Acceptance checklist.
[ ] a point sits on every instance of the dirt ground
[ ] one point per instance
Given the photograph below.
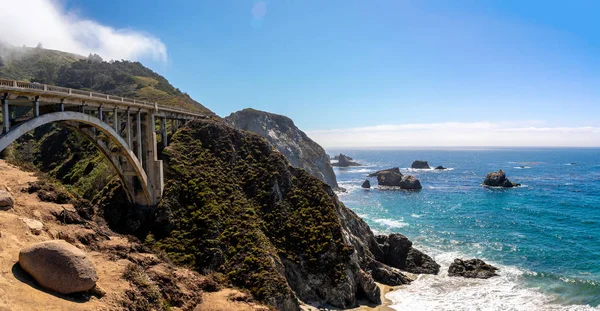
(19, 292)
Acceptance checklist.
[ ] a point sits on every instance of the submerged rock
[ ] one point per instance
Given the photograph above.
(366, 184)
(409, 182)
(420, 164)
(472, 268)
(498, 179)
(59, 266)
(6, 200)
(440, 168)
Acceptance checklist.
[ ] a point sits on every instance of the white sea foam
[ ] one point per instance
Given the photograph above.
(416, 216)
(441, 292)
(391, 223)
(522, 167)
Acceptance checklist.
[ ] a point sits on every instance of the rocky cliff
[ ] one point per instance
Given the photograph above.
(294, 144)
(233, 204)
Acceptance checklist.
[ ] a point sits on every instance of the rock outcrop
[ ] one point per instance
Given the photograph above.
(420, 164)
(345, 161)
(59, 266)
(393, 178)
(390, 177)
(472, 268)
(366, 184)
(409, 182)
(397, 251)
(6, 200)
(498, 179)
(294, 144)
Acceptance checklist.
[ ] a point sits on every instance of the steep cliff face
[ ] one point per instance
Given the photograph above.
(234, 205)
(280, 131)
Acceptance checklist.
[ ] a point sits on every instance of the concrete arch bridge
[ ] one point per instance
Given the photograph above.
(124, 129)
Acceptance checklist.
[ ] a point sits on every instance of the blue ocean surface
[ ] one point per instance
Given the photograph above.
(544, 236)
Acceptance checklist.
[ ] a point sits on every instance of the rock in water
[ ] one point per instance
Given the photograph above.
(399, 253)
(345, 161)
(440, 168)
(389, 178)
(366, 184)
(420, 164)
(6, 200)
(393, 169)
(410, 183)
(59, 266)
(498, 179)
(294, 144)
(472, 268)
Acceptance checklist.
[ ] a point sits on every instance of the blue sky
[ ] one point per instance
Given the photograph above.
(340, 66)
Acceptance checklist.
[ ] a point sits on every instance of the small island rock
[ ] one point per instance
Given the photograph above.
(440, 168)
(498, 179)
(59, 266)
(472, 268)
(391, 177)
(420, 164)
(345, 161)
(6, 200)
(366, 184)
(409, 182)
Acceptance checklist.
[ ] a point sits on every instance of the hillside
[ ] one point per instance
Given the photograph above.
(121, 78)
(288, 139)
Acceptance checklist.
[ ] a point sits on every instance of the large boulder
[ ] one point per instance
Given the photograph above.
(6, 200)
(498, 179)
(345, 161)
(399, 253)
(409, 182)
(390, 177)
(420, 164)
(59, 266)
(366, 184)
(472, 268)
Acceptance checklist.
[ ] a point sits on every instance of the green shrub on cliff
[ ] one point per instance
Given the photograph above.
(233, 204)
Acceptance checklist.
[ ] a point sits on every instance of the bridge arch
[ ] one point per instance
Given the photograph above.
(70, 118)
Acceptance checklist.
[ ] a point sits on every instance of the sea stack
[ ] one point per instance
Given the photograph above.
(420, 164)
(498, 179)
(472, 268)
(366, 184)
(345, 161)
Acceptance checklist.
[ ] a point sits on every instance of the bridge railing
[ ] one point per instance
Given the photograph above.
(68, 91)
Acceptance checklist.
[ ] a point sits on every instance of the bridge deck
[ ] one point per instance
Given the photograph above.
(79, 97)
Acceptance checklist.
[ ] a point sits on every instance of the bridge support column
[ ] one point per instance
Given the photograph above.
(100, 113)
(154, 168)
(36, 108)
(6, 115)
(116, 120)
(128, 128)
(138, 136)
(164, 131)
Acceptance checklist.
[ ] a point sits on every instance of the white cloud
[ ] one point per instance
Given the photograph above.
(464, 134)
(29, 22)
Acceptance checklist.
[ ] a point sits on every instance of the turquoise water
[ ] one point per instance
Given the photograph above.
(545, 235)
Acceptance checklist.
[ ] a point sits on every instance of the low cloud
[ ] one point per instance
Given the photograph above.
(29, 22)
(464, 134)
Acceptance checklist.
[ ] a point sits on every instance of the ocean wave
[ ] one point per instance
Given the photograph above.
(391, 223)
(504, 292)
(416, 170)
(416, 216)
(522, 167)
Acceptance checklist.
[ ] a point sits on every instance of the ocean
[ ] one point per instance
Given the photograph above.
(544, 236)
